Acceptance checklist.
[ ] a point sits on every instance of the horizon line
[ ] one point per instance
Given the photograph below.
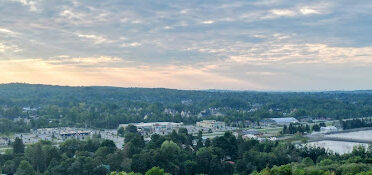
(180, 89)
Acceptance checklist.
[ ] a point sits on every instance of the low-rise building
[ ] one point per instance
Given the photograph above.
(249, 136)
(328, 129)
(161, 128)
(75, 134)
(252, 132)
(211, 124)
(61, 133)
(281, 121)
(4, 141)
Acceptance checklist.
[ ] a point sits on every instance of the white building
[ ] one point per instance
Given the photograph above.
(328, 129)
(75, 134)
(283, 121)
(4, 141)
(249, 136)
(161, 128)
(61, 133)
(211, 124)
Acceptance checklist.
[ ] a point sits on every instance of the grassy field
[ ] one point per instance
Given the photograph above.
(6, 134)
(271, 131)
(4, 149)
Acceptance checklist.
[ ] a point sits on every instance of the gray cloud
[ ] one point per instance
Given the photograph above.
(267, 42)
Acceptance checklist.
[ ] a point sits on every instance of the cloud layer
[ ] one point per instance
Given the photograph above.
(245, 45)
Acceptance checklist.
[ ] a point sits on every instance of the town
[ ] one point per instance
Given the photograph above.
(267, 129)
(127, 131)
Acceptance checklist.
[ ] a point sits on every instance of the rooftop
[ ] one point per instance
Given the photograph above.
(284, 120)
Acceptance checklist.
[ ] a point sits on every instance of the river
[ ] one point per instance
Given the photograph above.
(343, 147)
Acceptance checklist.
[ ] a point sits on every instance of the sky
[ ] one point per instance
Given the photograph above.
(266, 45)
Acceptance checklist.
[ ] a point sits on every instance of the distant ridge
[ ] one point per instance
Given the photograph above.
(202, 90)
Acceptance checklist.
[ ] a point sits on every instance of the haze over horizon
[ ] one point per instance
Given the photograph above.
(270, 45)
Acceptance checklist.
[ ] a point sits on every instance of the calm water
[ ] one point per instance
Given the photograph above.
(344, 147)
(336, 146)
(365, 135)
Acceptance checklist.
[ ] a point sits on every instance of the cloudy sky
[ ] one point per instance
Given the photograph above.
(188, 44)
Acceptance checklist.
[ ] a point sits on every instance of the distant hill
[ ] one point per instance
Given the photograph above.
(108, 106)
(38, 94)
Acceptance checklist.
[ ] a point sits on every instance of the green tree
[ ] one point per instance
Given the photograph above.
(316, 127)
(134, 138)
(25, 168)
(199, 143)
(18, 146)
(121, 132)
(168, 157)
(155, 142)
(191, 167)
(82, 166)
(207, 142)
(131, 129)
(282, 170)
(155, 171)
(9, 167)
(143, 162)
(70, 146)
(204, 157)
(124, 173)
(308, 161)
(36, 156)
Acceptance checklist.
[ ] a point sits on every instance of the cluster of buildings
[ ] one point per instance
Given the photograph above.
(54, 134)
(210, 112)
(254, 134)
(279, 121)
(58, 135)
(61, 133)
(161, 128)
(164, 128)
(4, 141)
(250, 134)
(174, 112)
(211, 124)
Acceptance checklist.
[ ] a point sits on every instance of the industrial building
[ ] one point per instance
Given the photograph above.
(211, 124)
(281, 121)
(161, 128)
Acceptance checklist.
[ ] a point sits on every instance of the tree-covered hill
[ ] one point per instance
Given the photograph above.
(108, 106)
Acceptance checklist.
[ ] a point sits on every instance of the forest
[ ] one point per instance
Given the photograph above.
(106, 107)
(176, 154)
(27, 106)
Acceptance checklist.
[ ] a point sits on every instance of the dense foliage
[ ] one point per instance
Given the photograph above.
(356, 123)
(176, 154)
(358, 162)
(302, 128)
(106, 107)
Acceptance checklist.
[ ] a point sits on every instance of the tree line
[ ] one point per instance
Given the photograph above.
(358, 162)
(301, 128)
(356, 123)
(106, 107)
(178, 153)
